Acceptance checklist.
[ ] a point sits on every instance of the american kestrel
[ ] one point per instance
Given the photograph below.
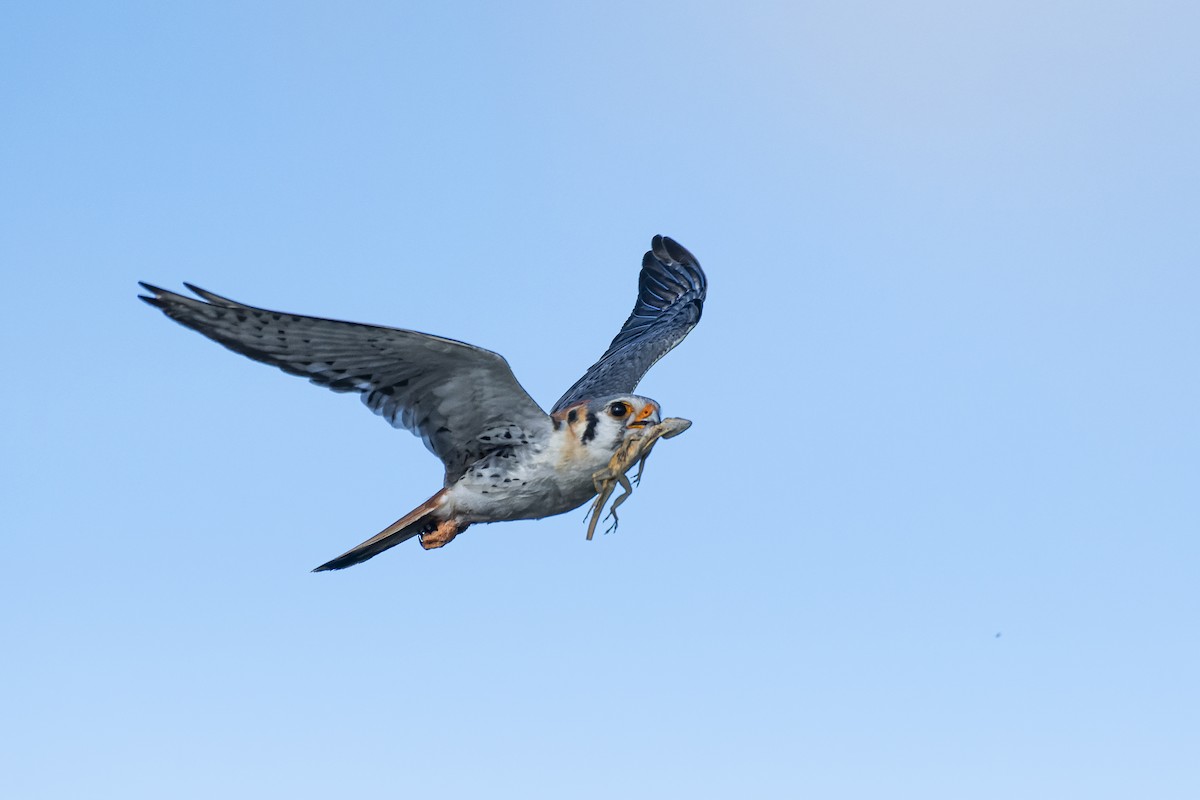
(505, 457)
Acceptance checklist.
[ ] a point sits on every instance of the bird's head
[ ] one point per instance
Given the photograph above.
(608, 421)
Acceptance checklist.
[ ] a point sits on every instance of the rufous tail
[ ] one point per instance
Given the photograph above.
(424, 519)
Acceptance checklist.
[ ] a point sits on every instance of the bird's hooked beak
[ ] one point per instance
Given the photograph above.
(647, 416)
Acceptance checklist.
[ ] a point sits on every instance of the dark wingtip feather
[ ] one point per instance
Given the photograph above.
(671, 251)
(162, 298)
(211, 297)
(668, 257)
(157, 293)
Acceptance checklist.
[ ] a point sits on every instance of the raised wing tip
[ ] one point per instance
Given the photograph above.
(669, 262)
(668, 251)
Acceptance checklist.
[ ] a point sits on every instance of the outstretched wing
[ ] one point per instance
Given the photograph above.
(671, 293)
(460, 399)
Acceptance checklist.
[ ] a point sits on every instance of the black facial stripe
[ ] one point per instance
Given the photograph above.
(589, 432)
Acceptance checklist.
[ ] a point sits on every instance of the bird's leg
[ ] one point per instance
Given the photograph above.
(440, 536)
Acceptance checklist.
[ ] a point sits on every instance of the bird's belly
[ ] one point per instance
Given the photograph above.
(490, 506)
(525, 491)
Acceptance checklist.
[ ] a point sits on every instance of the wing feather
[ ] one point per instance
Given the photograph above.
(671, 292)
(447, 392)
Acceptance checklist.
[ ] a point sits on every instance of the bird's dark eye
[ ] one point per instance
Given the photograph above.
(618, 410)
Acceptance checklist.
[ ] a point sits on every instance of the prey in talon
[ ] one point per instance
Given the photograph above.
(505, 458)
(635, 449)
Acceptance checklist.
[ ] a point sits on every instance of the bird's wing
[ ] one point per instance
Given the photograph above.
(671, 293)
(463, 401)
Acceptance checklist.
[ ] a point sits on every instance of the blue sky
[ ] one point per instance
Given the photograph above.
(932, 535)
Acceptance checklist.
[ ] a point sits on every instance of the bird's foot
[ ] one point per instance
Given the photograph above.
(440, 536)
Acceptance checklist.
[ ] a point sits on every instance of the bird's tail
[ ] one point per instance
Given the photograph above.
(424, 519)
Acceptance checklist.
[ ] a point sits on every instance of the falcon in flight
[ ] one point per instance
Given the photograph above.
(505, 457)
